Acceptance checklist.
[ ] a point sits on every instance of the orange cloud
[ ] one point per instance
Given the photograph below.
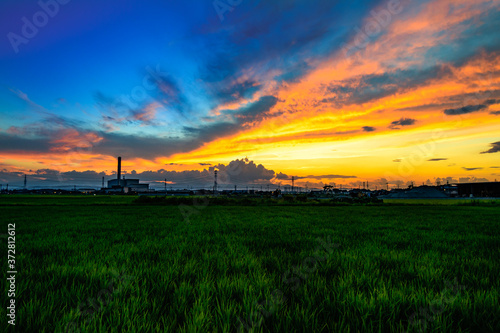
(71, 139)
(305, 122)
(148, 113)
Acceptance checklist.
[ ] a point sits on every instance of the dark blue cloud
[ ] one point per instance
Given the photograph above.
(13, 143)
(475, 38)
(471, 169)
(256, 111)
(495, 148)
(39, 138)
(465, 110)
(327, 177)
(402, 122)
(234, 93)
(294, 72)
(363, 89)
(275, 35)
(282, 176)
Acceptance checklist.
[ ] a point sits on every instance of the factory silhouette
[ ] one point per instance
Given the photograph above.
(133, 186)
(122, 185)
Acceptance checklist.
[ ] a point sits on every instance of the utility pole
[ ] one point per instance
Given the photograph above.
(103, 182)
(25, 181)
(215, 181)
(165, 183)
(293, 181)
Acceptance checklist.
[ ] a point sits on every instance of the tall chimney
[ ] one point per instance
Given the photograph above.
(119, 173)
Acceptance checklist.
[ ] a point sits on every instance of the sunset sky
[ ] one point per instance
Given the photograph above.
(325, 91)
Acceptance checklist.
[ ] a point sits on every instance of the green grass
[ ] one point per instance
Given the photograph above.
(64, 200)
(453, 201)
(203, 275)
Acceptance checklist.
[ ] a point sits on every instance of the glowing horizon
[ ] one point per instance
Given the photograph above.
(393, 92)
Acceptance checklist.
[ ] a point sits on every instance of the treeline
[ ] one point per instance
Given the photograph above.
(287, 200)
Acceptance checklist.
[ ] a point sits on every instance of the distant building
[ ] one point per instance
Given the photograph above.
(119, 185)
(490, 189)
(128, 185)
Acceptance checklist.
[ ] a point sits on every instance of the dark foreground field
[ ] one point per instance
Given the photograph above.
(126, 268)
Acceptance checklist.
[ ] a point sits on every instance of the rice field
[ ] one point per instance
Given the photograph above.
(112, 266)
(450, 201)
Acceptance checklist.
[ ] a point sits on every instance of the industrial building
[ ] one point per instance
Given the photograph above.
(122, 185)
(490, 189)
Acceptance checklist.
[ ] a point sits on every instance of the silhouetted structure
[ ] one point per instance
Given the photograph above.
(124, 185)
(490, 189)
(421, 192)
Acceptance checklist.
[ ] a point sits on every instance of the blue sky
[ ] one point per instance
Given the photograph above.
(96, 48)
